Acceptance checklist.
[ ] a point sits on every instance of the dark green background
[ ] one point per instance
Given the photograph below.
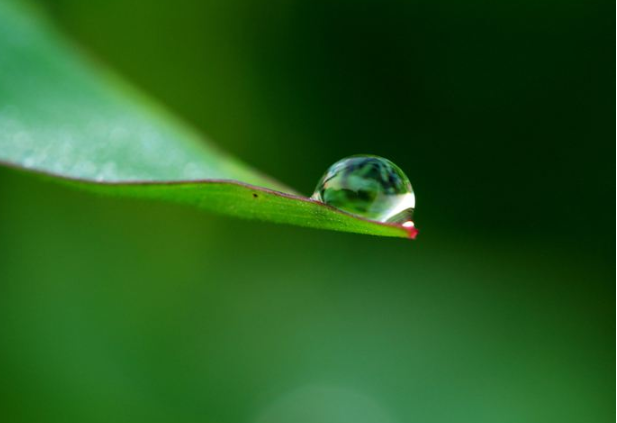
(501, 113)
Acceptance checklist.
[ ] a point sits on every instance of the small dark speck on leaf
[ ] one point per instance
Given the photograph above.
(255, 195)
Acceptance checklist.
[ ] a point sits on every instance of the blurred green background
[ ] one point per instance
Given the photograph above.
(501, 113)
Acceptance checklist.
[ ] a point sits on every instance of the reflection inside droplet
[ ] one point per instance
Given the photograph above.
(368, 186)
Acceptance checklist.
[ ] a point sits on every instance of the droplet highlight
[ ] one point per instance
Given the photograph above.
(371, 187)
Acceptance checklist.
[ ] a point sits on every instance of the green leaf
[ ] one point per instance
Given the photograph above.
(66, 120)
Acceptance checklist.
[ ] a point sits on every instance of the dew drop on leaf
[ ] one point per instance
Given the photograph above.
(368, 186)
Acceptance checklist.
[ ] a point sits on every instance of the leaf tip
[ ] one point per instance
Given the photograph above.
(412, 231)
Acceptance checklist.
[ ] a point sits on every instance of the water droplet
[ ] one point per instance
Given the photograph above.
(368, 186)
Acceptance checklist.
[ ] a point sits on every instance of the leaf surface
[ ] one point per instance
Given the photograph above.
(68, 120)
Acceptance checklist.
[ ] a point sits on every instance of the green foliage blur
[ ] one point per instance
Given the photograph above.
(117, 310)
